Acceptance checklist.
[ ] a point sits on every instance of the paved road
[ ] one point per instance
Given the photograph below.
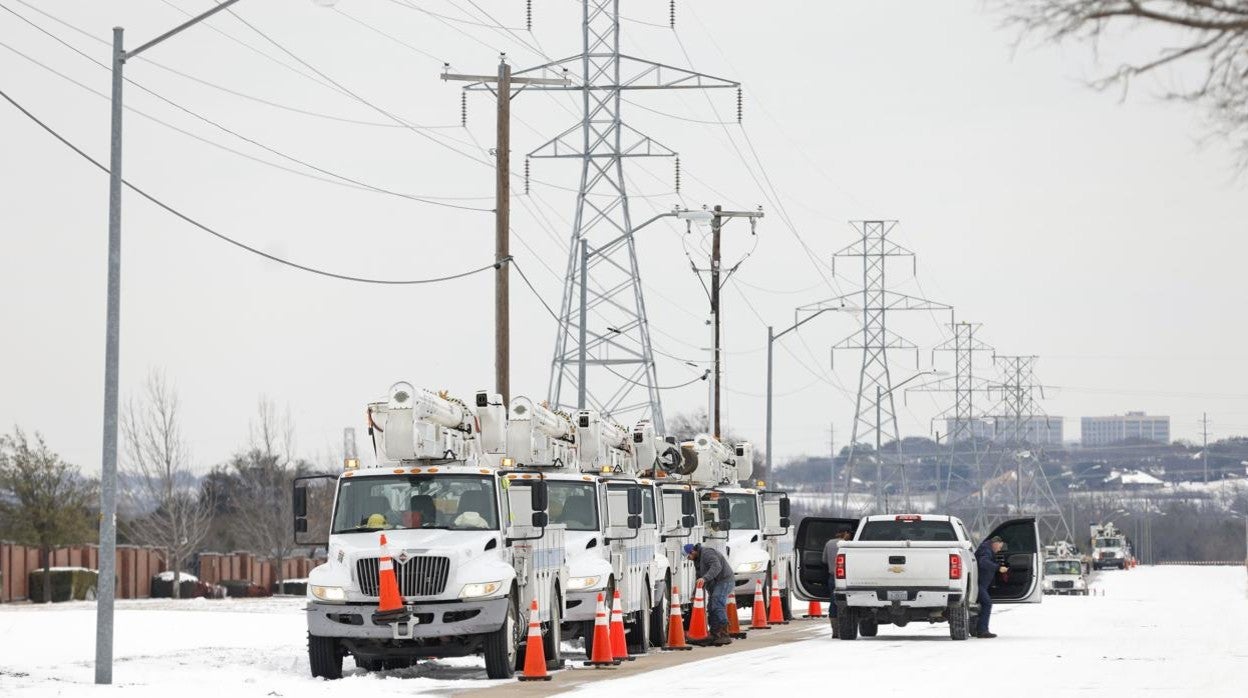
(571, 679)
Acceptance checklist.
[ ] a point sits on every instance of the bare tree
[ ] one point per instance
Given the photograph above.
(1215, 37)
(164, 506)
(44, 501)
(261, 510)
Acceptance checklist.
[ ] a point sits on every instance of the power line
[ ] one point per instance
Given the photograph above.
(334, 275)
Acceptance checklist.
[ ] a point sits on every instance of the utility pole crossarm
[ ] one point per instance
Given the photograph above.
(635, 74)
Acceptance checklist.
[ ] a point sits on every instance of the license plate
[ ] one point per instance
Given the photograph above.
(897, 596)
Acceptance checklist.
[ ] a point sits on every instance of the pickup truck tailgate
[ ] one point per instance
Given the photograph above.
(897, 563)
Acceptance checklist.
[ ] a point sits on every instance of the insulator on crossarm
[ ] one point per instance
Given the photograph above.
(740, 99)
(671, 13)
(526, 174)
(677, 174)
(463, 108)
(528, 15)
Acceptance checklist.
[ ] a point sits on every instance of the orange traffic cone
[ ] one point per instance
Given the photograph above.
(815, 610)
(602, 638)
(619, 644)
(734, 623)
(776, 615)
(535, 651)
(676, 625)
(390, 608)
(698, 630)
(758, 620)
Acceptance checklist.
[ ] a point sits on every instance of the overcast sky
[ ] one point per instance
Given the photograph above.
(1099, 234)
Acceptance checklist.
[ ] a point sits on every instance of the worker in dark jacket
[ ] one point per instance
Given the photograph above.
(717, 581)
(986, 559)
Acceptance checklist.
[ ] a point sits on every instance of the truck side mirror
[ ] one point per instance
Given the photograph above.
(784, 509)
(634, 521)
(723, 508)
(785, 522)
(688, 504)
(688, 521)
(300, 503)
(540, 519)
(301, 525)
(539, 497)
(634, 504)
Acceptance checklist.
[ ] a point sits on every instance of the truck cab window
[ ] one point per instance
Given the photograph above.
(456, 502)
(574, 504)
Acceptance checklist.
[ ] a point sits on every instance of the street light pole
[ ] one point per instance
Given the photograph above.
(106, 587)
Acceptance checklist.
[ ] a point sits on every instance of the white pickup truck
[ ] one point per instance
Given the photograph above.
(910, 567)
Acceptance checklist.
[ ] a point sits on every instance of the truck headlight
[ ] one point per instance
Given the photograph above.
(578, 583)
(748, 567)
(472, 591)
(328, 593)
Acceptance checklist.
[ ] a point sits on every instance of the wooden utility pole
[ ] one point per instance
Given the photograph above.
(502, 82)
(718, 279)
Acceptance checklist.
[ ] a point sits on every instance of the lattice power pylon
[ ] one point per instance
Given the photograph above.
(875, 414)
(1018, 485)
(962, 468)
(613, 344)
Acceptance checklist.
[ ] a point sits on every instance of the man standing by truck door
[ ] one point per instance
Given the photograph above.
(717, 579)
(829, 558)
(986, 559)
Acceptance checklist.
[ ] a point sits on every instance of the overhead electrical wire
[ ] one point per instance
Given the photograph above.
(241, 245)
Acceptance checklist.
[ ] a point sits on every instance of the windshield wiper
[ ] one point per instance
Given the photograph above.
(362, 529)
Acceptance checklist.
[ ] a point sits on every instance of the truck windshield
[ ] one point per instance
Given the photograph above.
(1062, 567)
(907, 529)
(742, 511)
(456, 502)
(574, 504)
(1109, 542)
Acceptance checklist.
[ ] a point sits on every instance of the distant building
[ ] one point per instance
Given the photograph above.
(1101, 431)
(1038, 430)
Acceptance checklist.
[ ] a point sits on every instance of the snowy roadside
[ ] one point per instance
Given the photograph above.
(1141, 637)
(1175, 631)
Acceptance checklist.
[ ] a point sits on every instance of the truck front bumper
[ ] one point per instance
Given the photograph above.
(431, 620)
(909, 597)
(582, 605)
(745, 582)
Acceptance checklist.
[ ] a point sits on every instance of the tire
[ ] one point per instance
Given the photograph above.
(959, 622)
(847, 623)
(553, 639)
(637, 637)
(502, 646)
(868, 627)
(659, 617)
(324, 657)
(369, 664)
(786, 600)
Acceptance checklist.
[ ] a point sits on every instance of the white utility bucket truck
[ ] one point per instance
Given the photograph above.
(750, 526)
(471, 546)
(609, 513)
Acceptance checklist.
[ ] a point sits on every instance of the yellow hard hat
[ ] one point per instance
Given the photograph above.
(376, 521)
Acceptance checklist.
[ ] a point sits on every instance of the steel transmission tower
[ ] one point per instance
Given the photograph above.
(1018, 485)
(607, 362)
(963, 469)
(875, 414)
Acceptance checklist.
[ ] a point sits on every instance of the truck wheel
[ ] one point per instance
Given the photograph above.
(637, 637)
(324, 657)
(502, 646)
(659, 617)
(868, 627)
(847, 623)
(959, 622)
(553, 638)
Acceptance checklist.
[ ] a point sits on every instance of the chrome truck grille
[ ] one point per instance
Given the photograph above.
(422, 575)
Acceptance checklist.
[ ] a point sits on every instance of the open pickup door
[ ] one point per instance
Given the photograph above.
(812, 570)
(1022, 555)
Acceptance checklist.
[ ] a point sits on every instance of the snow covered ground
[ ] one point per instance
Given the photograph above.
(1172, 631)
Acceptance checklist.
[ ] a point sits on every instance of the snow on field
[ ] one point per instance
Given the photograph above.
(1173, 631)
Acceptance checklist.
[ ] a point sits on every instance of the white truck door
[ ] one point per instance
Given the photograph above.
(1022, 555)
(812, 570)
